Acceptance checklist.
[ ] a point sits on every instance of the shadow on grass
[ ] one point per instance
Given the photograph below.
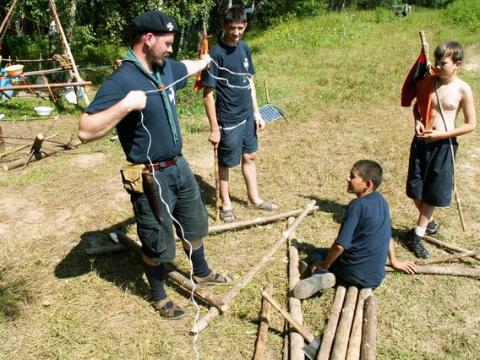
(208, 194)
(120, 268)
(329, 206)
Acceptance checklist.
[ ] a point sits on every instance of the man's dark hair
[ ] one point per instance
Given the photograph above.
(370, 170)
(234, 14)
(449, 48)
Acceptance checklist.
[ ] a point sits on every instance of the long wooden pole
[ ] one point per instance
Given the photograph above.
(217, 183)
(355, 340)
(295, 305)
(442, 270)
(202, 323)
(450, 247)
(340, 344)
(67, 48)
(331, 328)
(252, 222)
(6, 21)
(44, 86)
(369, 329)
(263, 325)
(444, 259)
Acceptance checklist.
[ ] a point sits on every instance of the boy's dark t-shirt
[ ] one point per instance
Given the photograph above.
(365, 236)
(234, 99)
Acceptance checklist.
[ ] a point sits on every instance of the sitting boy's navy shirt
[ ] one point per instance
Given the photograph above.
(365, 236)
(233, 104)
(132, 135)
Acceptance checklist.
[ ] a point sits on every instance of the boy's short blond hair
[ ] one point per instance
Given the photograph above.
(449, 49)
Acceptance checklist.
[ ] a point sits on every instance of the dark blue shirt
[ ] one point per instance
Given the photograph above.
(133, 137)
(365, 236)
(232, 104)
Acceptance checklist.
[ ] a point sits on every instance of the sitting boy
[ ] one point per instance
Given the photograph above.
(431, 165)
(358, 255)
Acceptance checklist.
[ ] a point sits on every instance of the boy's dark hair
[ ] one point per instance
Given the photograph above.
(449, 48)
(370, 170)
(234, 14)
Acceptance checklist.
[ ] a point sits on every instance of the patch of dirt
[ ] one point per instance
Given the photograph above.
(85, 161)
(472, 57)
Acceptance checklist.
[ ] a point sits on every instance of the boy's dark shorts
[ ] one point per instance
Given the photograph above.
(430, 171)
(237, 138)
(182, 194)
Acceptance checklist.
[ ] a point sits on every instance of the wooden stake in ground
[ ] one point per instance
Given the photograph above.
(442, 270)
(331, 328)
(230, 295)
(450, 247)
(294, 305)
(263, 324)
(340, 344)
(355, 341)
(369, 329)
(217, 183)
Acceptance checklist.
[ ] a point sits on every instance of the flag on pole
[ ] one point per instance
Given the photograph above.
(198, 76)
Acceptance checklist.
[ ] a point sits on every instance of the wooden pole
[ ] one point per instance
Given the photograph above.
(44, 86)
(67, 48)
(307, 335)
(37, 143)
(263, 325)
(217, 183)
(369, 330)
(202, 323)
(355, 341)
(331, 328)
(175, 275)
(38, 156)
(442, 270)
(450, 247)
(340, 344)
(295, 305)
(266, 91)
(253, 222)
(6, 21)
(449, 258)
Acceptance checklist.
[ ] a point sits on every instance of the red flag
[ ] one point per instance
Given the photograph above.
(417, 73)
(198, 76)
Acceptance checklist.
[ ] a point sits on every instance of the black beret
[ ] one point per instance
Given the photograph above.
(155, 22)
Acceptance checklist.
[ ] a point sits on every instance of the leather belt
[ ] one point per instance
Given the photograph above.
(161, 165)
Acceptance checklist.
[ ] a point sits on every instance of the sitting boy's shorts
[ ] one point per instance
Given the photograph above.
(237, 138)
(430, 171)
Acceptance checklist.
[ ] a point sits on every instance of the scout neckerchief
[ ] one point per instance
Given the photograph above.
(157, 81)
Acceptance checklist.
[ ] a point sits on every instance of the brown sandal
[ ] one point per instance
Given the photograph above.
(214, 278)
(168, 309)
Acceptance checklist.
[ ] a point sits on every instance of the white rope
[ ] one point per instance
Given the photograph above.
(190, 251)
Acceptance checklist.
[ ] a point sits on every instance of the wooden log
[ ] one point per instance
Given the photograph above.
(442, 270)
(38, 156)
(331, 328)
(369, 330)
(263, 325)
(246, 278)
(257, 221)
(444, 245)
(44, 86)
(294, 305)
(444, 259)
(174, 275)
(355, 341)
(286, 342)
(340, 344)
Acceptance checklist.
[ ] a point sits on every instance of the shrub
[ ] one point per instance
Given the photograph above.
(465, 13)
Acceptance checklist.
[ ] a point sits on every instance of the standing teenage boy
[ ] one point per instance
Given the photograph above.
(358, 255)
(431, 165)
(234, 116)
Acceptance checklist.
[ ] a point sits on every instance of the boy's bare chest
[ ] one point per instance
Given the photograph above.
(449, 97)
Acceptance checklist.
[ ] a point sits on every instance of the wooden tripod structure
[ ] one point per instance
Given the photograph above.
(65, 46)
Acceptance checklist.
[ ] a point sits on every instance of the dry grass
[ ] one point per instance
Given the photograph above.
(72, 306)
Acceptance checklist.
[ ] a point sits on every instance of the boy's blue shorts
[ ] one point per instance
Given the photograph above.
(237, 138)
(430, 171)
(182, 194)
